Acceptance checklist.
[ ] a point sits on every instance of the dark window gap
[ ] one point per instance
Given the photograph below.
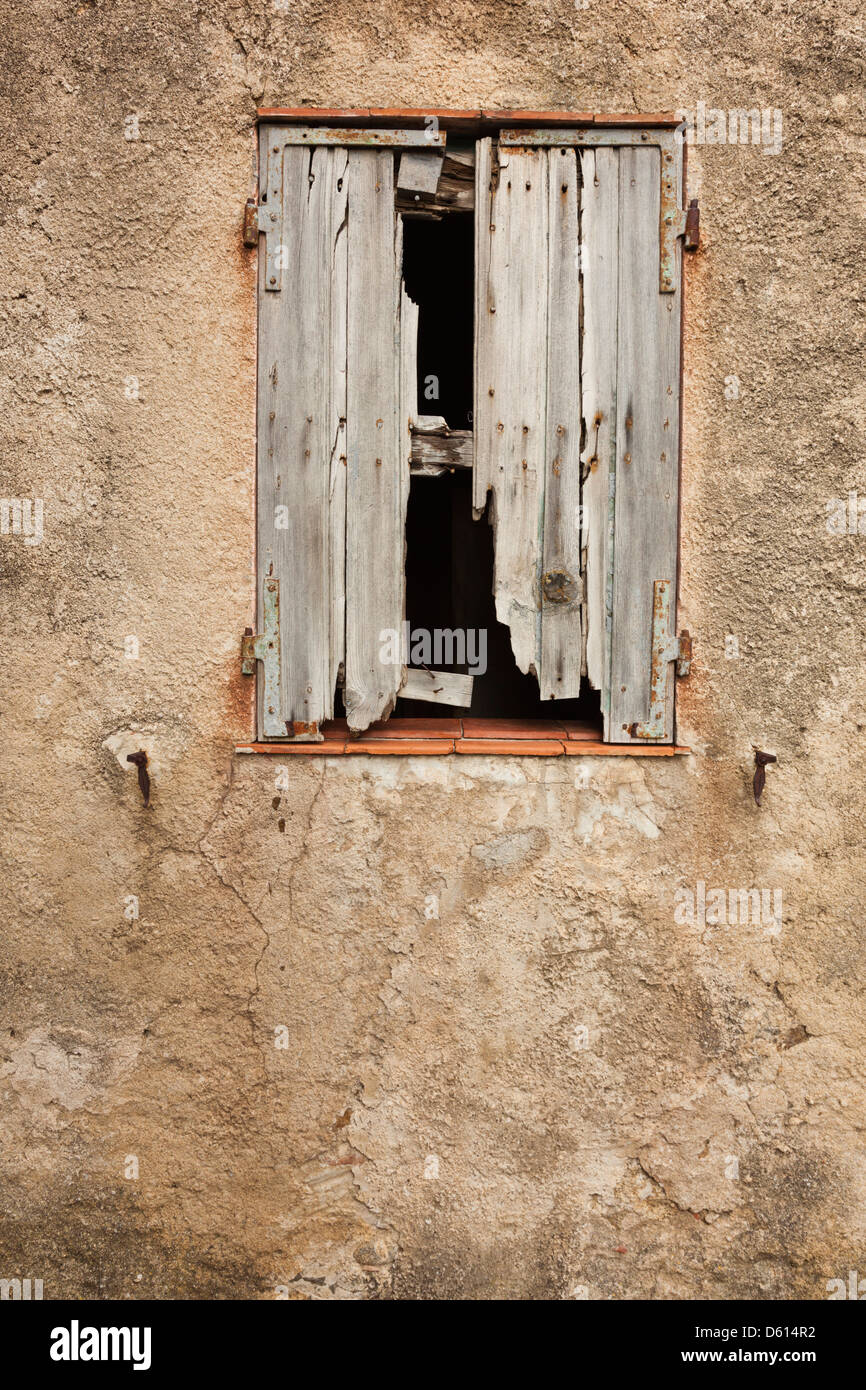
(449, 584)
(438, 259)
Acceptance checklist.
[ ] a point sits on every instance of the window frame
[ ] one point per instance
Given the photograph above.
(465, 734)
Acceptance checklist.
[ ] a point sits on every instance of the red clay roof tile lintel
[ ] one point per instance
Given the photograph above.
(487, 117)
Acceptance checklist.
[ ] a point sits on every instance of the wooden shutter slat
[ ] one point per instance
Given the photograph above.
(600, 261)
(483, 405)
(647, 445)
(526, 422)
(376, 489)
(299, 333)
(511, 372)
(561, 584)
(337, 427)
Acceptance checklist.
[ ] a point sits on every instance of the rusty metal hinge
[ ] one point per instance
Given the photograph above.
(265, 218)
(666, 647)
(692, 227)
(265, 647)
(251, 223)
(684, 655)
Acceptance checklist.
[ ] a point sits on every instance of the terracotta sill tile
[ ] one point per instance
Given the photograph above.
(397, 728)
(516, 747)
(640, 118)
(564, 118)
(418, 113)
(328, 749)
(521, 747)
(399, 746)
(512, 728)
(576, 728)
(312, 114)
(635, 750)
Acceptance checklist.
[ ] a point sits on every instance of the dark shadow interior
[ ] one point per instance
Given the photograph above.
(438, 262)
(449, 584)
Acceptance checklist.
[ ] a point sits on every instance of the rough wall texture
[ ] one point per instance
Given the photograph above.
(552, 1086)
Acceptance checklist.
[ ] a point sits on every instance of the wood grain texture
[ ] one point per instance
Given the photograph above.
(337, 428)
(440, 687)
(647, 443)
(511, 372)
(419, 170)
(377, 453)
(407, 411)
(301, 337)
(483, 404)
(408, 363)
(335, 408)
(353, 137)
(527, 405)
(599, 256)
(454, 191)
(561, 583)
(435, 454)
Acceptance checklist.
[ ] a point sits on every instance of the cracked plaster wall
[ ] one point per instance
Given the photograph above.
(407, 1027)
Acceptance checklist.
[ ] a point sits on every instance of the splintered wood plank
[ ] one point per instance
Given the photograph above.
(407, 411)
(647, 443)
(408, 367)
(439, 687)
(453, 192)
(484, 348)
(457, 180)
(377, 456)
(420, 170)
(337, 432)
(511, 371)
(561, 584)
(435, 454)
(599, 256)
(299, 331)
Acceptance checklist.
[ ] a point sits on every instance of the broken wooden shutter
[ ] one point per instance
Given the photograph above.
(582, 225)
(336, 384)
(526, 418)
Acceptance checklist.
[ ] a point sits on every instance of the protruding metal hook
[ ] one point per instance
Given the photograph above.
(140, 761)
(761, 760)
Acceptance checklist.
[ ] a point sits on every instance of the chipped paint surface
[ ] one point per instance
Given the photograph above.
(290, 983)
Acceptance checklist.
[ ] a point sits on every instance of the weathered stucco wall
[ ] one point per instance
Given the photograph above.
(438, 1124)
